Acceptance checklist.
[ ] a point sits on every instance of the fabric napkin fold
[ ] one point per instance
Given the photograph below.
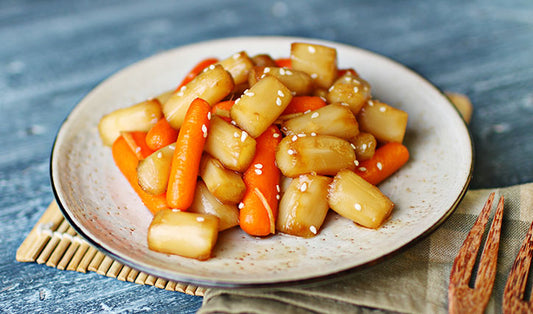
(415, 281)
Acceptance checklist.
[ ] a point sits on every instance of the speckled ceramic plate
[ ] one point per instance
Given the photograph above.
(103, 208)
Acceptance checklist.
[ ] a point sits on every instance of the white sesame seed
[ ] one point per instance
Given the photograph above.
(353, 146)
(379, 165)
(180, 93)
(281, 71)
(357, 206)
(241, 205)
(237, 100)
(244, 135)
(290, 152)
(313, 229)
(211, 67)
(364, 147)
(236, 134)
(311, 49)
(356, 162)
(278, 197)
(275, 135)
(370, 103)
(331, 88)
(258, 171)
(278, 101)
(314, 115)
(172, 147)
(307, 111)
(278, 188)
(258, 166)
(138, 149)
(302, 135)
(159, 155)
(347, 79)
(200, 219)
(288, 72)
(204, 130)
(303, 187)
(266, 70)
(362, 169)
(344, 104)
(383, 109)
(209, 115)
(314, 75)
(263, 76)
(233, 122)
(280, 93)
(356, 89)
(294, 138)
(313, 134)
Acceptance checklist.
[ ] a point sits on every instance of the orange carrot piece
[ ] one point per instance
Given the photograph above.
(223, 108)
(137, 142)
(196, 70)
(303, 103)
(386, 160)
(160, 135)
(283, 62)
(127, 161)
(186, 158)
(259, 207)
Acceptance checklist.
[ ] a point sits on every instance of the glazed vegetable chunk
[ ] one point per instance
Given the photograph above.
(386, 123)
(321, 154)
(239, 66)
(320, 62)
(304, 206)
(226, 185)
(356, 199)
(153, 171)
(351, 90)
(335, 120)
(139, 117)
(233, 147)
(299, 83)
(261, 105)
(206, 203)
(212, 86)
(365, 145)
(183, 233)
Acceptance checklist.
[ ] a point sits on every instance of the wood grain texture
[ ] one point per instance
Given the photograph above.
(54, 52)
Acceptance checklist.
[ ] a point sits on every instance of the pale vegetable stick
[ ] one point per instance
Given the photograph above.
(298, 82)
(206, 203)
(319, 61)
(226, 185)
(239, 66)
(386, 123)
(350, 90)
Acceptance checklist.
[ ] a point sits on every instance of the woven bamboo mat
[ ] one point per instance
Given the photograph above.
(53, 242)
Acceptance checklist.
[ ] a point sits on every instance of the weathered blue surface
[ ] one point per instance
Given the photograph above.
(53, 52)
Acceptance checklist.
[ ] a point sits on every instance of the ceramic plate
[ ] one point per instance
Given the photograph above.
(103, 208)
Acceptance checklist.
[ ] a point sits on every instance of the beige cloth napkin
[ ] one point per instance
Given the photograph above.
(415, 281)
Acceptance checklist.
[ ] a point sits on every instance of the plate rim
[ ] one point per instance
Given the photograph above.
(291, 282)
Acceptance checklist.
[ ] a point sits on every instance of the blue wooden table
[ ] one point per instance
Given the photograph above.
(54, 52)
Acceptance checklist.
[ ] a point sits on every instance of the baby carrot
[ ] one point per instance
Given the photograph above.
(283, 62)
(160, 135)
(259, 207)
(137, 142)
(186, 158)
(127, 161)
(223, 108)
(199, 67)
(386, 160)
(303, 103)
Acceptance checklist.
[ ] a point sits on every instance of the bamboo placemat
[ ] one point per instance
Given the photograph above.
(53, 242)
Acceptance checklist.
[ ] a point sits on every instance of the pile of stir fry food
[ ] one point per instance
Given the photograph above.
(269, 145)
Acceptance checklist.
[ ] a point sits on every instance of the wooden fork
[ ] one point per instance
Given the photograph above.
(461, 297)
(513, 295)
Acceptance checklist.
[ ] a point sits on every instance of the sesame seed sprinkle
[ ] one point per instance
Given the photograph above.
(362, 169)
(288, 72)
(356, 89)
(302, 135)
(379, 165)
(258, 166)
(313, 229)
(209, 115)
(278, 197)
(275, 135)
(159, 155)
(303, 187)
(278, 188)
(266, 70)
(370, 103)
(233, 122)
(258, 171)
(278, 101)
(200, 219)
(383, 109)
(314, 115)
(280, 93)
(356, 162)
(314, 75)
(236, 134)
(282, 71)
(313, 134)
(311, 49)
(211, 67)
(290, 152)
(294, 138)
(241, 205)
(353, 146)
(244, 135)
(358, 206)
(204, 130)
